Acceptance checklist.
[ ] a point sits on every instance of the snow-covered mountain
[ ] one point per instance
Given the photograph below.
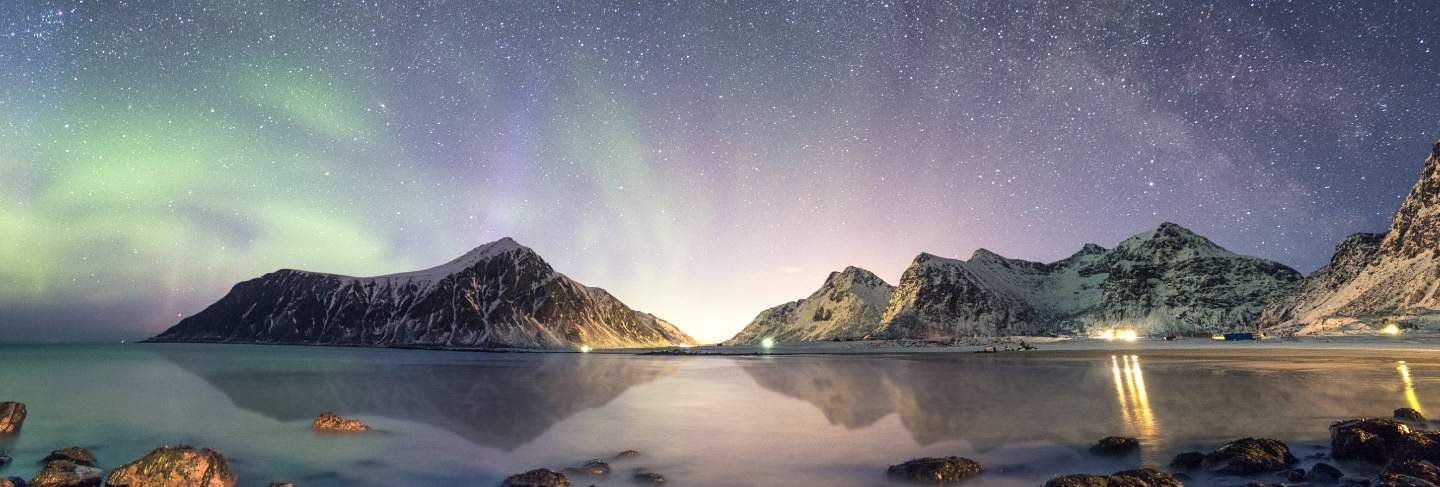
(1374, 279)
(847, 306)
(500, 294)
(1167, 280)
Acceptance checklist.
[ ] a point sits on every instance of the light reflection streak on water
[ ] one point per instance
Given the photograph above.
(1134, 398)
(1410, 396)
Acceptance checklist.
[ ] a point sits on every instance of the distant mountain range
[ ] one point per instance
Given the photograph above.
(1164, 281)
(499, 295)
(1167, 280)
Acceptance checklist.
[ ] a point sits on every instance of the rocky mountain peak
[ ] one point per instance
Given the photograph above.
(1167, 242)
(1416, 226)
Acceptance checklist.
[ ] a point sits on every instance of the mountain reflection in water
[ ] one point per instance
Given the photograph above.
(497, 400)
(992, 401)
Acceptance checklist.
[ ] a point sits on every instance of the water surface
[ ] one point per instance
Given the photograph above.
(453, 418)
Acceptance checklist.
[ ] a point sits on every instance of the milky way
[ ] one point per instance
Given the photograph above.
(700, 160)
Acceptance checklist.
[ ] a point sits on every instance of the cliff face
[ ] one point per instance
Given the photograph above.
(1374, 278)
(499, 295)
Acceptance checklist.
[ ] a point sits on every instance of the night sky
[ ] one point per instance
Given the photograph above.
(700, 160)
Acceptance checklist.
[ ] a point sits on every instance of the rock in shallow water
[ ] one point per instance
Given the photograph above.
(1116, 446)
(1144, 477)
(592, 468)
(935, 471)
(1369, 439)
(65, 473)
(4, 459)
(1419, 469)
(540, 477)
(12, 416)
(1409, 414)
(12, 482)
(627, 454)
(328, 421)
(1323, 472)
(1250, 456)
(1189, 460)
(75, 454)
(650, 478)
(179, 466)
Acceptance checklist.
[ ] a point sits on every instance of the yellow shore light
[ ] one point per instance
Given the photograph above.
(1391, 329)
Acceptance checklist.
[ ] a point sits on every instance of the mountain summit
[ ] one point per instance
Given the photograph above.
(499, 295)
(847, 306)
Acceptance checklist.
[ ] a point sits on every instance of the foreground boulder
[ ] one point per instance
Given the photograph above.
(540, 477)
(1398, 480)
(1322, 473)
(1116, 446)
(1249, 456)
(935, 471)
(12, 482)
(328, 421)
(1419, 469)
(281, 484)
(12, 415)
(179, 466)
(627, 454)
(1189, 460)
(65, 473)
(1145, 477)
(1409, 414)
(1370, 439)
(75, 454)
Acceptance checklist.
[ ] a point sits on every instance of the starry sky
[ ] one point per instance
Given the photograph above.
(701, 160)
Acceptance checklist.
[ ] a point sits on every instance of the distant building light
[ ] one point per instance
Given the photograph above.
(767, 343)
(584, 349)
(1391, 329)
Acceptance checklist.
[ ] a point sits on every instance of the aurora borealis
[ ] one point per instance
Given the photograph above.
(700, 160)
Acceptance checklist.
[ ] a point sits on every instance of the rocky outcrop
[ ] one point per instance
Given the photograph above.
(65, 473)
(645, 477)
(1409, 414)
(540, 477)
(180, 466)
(1116, 446)
(591, 468)
(1144, 477)
(1168, 280)
(935, 471)
(1250, 456)
(1374, 440)
(332, 422)
(12, 416)
(847, 306)
(1375, 279)
(499, 295)
(75, 454)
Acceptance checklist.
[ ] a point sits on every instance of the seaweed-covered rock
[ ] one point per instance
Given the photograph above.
(178, 466)
(328, 421)
(12, 482)
(1416, 445)
(75, 454)
(592, 468)
(1144, 477)
(1322, 473)
(1409, 414)
(627, 454)
(935, 470)
(1250, 456)
(1368, 439)
(1189, 460)
(12, 416)
(65, 473)
(1116, 446)
(540, 477)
